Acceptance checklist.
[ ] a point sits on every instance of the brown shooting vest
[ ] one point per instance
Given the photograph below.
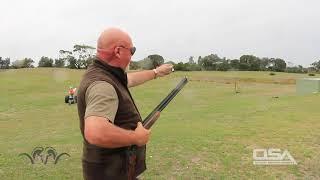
(107, 163)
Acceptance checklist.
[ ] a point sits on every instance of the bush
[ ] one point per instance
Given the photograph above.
(311, 74)
(272, 74)
(45, 62)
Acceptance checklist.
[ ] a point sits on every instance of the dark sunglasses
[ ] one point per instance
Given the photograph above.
(132, 50)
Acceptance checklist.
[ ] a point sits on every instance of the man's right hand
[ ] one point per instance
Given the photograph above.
(141, 135)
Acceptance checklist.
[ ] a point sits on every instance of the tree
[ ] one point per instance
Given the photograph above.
(296, 69)
(73, 63)
(4, 63)
(63, 58)
(223, 66)
(179, 67)
(279, 65)
(265, 63)
(186, 67)
(249, 63)
(150, 62)
(199, 59)
(27, 63)
(80, 57)
(235, 64)
(1, 63)
(66, 56)
(83, 55)
(191, 67)
(146, 63)
(24, 63)
(191, 61)
(156, 60)
(59, 63)
(209, 62)
(316, 65)
(45, 62)
(17, 64)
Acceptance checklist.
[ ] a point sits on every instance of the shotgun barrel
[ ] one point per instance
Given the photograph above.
(153, 116)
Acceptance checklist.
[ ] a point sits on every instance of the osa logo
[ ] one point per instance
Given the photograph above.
(43, 155)
(272, 157)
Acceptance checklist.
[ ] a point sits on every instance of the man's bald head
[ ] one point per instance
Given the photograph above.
(112, 37)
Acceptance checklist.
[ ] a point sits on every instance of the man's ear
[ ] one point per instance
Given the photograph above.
(117, 52)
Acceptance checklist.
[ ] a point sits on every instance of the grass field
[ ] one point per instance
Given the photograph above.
(207, 132)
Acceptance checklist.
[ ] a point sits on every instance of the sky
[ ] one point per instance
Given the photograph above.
(175, 29)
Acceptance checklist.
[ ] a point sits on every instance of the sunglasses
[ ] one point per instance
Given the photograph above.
(132, 50)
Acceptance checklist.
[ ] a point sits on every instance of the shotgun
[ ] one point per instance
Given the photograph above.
(148, 122)
(153, 116)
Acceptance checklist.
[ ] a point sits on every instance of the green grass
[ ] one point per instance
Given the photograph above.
(207, 132)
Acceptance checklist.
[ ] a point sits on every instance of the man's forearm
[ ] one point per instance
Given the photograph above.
(137, 78)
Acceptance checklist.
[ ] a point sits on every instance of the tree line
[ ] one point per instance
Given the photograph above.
(81, 56)
(213, 62)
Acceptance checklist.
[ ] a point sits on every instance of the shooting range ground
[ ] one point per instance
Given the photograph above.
(207, 132)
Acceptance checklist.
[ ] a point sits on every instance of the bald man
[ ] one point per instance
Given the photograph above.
(110, 121)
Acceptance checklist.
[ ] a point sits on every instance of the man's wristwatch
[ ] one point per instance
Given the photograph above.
(155, 73)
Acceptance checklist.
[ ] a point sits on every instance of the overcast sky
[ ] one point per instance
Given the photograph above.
(288, 29)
